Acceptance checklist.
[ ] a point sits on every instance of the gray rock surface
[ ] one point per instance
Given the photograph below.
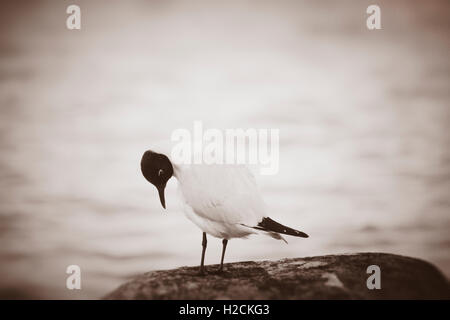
(322, 277)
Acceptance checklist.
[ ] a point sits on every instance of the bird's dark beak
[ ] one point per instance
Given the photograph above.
(161, 195)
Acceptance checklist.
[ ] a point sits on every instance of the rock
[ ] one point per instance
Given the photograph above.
(322, 277)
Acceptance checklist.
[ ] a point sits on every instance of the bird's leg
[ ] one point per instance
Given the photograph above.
(224, 247)
(204, 242)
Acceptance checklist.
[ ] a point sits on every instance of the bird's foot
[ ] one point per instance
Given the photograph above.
(202, 272)
(219, 271)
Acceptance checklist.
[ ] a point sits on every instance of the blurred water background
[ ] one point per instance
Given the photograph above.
(363, 116)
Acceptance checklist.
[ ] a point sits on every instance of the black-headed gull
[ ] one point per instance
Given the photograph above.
(222, 200)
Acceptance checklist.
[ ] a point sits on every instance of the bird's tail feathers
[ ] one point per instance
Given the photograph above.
(274, 229)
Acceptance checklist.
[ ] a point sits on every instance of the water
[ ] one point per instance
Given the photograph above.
(363, 118)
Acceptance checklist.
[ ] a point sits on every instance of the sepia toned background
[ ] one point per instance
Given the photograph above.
(363, 115)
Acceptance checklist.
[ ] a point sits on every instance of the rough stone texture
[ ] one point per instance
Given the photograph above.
(322, 277)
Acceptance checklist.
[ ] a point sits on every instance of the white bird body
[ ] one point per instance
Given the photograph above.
(222, 200)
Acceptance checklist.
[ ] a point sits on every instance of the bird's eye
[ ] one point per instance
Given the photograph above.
(160, 172)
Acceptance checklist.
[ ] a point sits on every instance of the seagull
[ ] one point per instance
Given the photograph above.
(223, 200)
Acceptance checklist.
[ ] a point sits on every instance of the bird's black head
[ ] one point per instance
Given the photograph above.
(157, 169)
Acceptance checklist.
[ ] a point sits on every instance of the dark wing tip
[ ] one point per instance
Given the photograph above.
(268, 224)
(301, 234)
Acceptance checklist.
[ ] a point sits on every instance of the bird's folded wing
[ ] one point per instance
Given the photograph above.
(226, 194)
(236, 209)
